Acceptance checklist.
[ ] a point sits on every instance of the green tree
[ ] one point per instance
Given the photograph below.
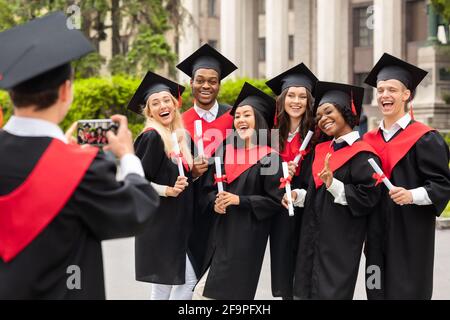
(443, 8)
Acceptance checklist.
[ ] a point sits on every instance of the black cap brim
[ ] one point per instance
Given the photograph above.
(390, 67)
(340, 94)
(259, 100)
(206, 57)
(39, 46)
(298, 76)
(152, 83)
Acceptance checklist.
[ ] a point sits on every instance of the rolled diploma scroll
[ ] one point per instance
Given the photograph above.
(218, 173)
(176, 148)
(378, 170)
(199, 134)
(304, 146)
(288, 189)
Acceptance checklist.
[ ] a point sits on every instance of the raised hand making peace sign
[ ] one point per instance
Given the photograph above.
(326, 175)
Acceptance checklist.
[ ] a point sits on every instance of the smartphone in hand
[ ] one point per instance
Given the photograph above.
(93, 132)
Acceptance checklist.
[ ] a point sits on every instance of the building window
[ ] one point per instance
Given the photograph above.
(363, 35)
(291, 5)
(261, 6)
(213, 43)
(262, 49)
(291, 47)
(211, 8)
(368, 90)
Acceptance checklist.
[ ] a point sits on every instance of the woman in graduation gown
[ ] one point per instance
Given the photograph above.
(253, 171)
(161, 250)
(341, 195)
(293, 120)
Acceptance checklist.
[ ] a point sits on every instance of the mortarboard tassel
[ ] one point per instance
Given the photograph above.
(411, 110)
(275, 118)
(1, 116)
(353, 105)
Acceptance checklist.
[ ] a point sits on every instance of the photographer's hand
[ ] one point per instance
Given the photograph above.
(121, 143)
(69, 133)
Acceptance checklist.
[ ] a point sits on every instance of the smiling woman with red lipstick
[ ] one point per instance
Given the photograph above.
(338, 200)
(252, 196)
(162, 256)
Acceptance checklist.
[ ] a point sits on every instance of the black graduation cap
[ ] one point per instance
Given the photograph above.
(344, 95)
(206, 57)
(298, 76)
(153, 83)
(390, 67)
(41, 45)
(254, 97)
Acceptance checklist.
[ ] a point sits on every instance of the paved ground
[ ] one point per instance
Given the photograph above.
(120, 283)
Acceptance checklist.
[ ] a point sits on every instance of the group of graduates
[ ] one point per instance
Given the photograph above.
(203, 204)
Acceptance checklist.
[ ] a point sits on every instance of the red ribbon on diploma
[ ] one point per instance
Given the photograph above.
(379, 178)
(222, 179)
(285, 181)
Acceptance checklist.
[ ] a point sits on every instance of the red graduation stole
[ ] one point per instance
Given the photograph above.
(237, 161)
(27, 211)
(211, 139)
(338, 158)
(172, 155)
(393, 151)
(291, 150)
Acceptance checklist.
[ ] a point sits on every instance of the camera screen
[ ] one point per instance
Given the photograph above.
(93, 132)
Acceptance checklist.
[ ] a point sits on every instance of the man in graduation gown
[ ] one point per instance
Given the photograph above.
(58, 200)
(415, 158)
(206, 67)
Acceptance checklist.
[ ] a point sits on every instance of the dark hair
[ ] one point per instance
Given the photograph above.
(260, 124)
(306, 123)
(41, 91)
(348, 116)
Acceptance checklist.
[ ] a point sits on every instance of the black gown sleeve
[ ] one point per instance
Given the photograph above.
(269, 203)
(361, 194)
(111, 208)
(149, 148)
(432, 156)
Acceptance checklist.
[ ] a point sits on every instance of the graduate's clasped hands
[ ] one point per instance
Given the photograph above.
(223, 200)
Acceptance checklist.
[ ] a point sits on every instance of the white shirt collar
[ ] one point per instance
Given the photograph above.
(350, 138)
(32, 127)
(213, 111)
(401, 123)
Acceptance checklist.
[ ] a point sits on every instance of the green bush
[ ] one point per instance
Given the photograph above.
(99, 98)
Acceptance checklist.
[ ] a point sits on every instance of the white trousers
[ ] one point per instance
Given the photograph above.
(179, 292)
(200, 288)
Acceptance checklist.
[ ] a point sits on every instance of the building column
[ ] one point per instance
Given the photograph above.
(239, 35)
(277, 37)
(303, 39)
(333, 40)
(249, 44)
(190, 34)
(388, 31)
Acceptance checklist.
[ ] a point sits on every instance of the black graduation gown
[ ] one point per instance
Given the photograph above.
(401, 238)
(284, 238)
(161, 249)
(100, 208)
(332, 235)
(238, 241)
(203, 219)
